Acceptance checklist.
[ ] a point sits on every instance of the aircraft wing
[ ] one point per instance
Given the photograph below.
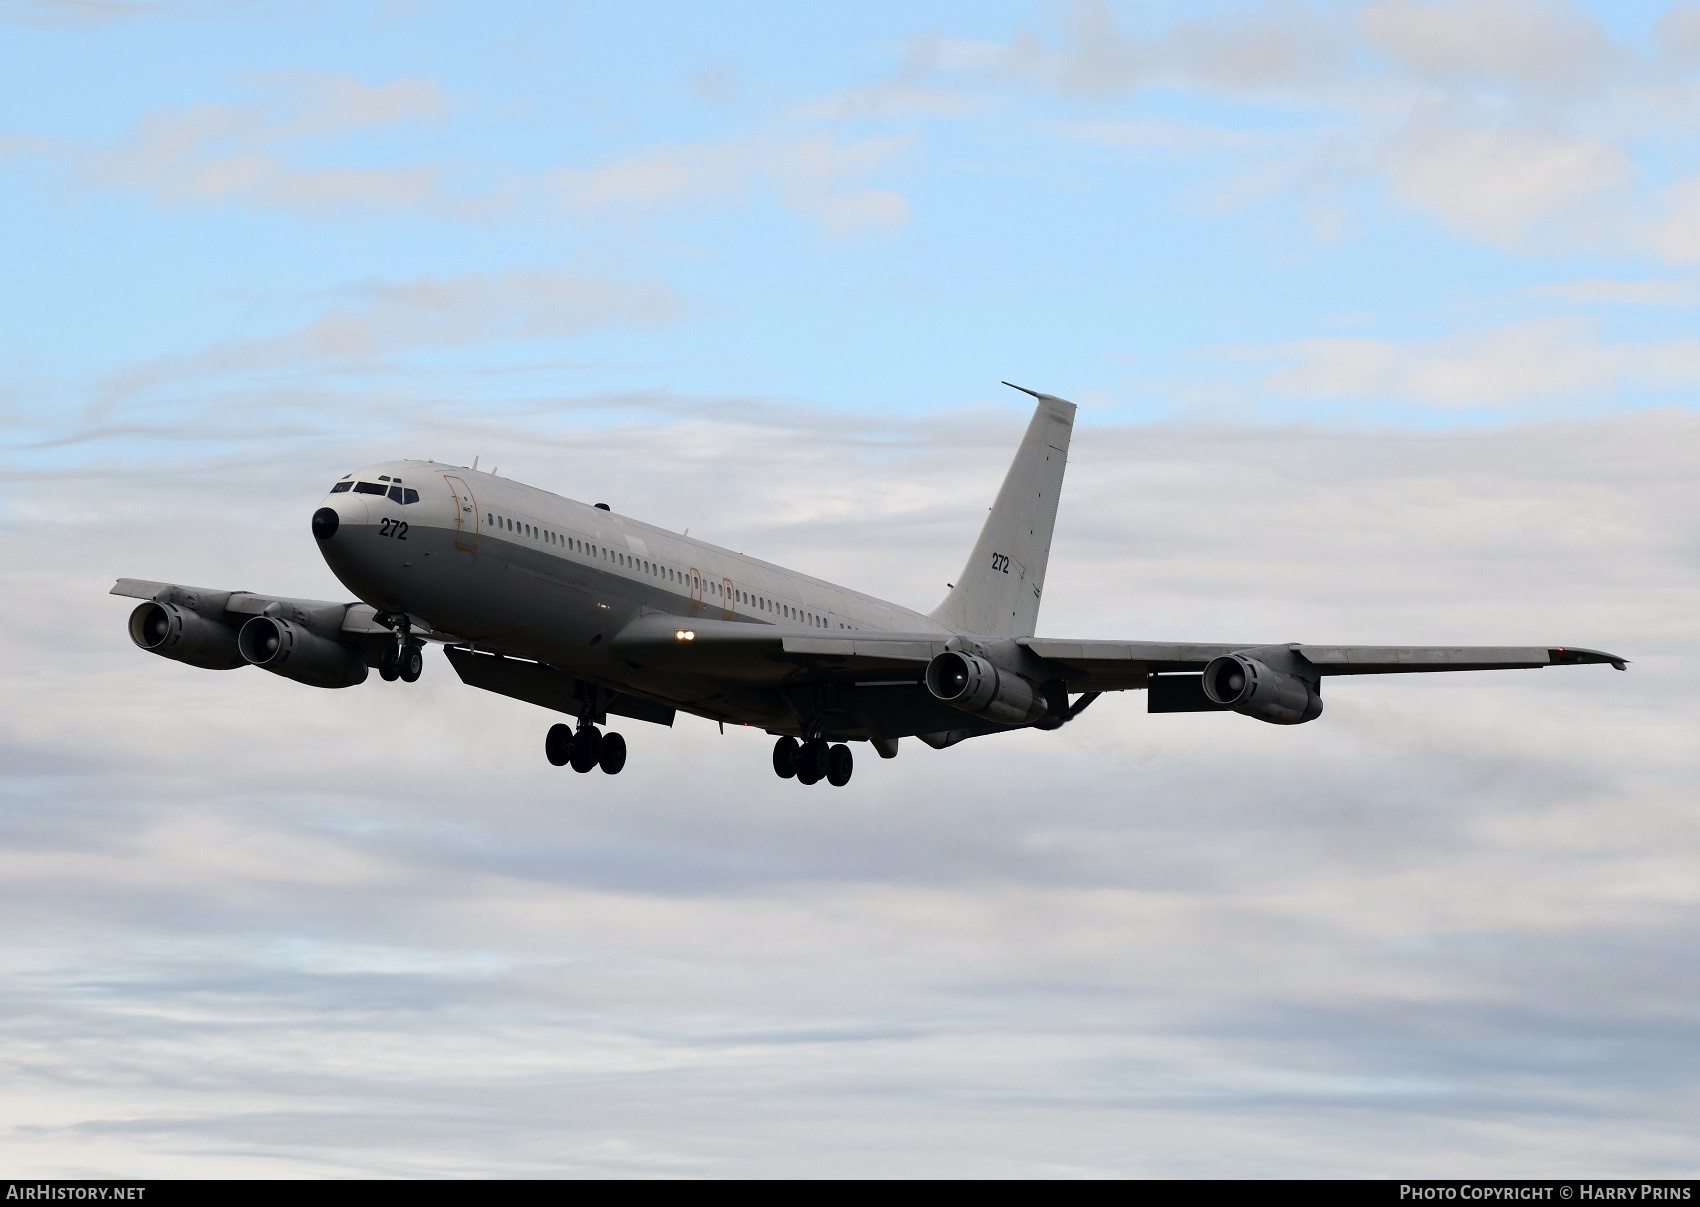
(352, 619)
(759, 653)
(1112, 665)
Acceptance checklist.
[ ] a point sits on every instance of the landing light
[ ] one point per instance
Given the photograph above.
(684, 635)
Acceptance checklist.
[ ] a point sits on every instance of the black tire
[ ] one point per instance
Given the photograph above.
(613, 755)
(785, 752)
(839, 764)
(387, 664)
(587, 749)
(558, 746)
(811, 763)
(410, 663)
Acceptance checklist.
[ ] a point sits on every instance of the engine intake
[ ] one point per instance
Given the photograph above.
(975, 685)
(285, 648)
(183, 635)
(1250, 687)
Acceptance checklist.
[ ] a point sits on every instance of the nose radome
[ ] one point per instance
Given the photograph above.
(325, 521)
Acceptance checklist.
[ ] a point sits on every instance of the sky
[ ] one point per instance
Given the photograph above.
(1381, 322)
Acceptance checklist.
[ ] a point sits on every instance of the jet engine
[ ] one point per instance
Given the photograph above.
(1250, 687)
(285, 648)
(975, 685)
(183, 635)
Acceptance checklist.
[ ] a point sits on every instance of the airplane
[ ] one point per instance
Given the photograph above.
(591, 614)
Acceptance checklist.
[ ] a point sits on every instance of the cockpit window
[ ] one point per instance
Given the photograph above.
(412, 496)
(369, 488)
(395, 494)
(340, 487)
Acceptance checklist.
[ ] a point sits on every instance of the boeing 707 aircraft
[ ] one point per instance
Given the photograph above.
(587, 613)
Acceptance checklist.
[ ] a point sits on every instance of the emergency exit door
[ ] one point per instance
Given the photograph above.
(466, 514)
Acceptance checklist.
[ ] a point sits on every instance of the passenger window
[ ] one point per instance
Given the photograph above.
(341, 486)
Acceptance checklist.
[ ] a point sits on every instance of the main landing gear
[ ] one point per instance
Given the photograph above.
(585, 750)
(812, 761)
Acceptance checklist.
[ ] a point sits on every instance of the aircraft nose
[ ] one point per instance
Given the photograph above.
(325, 521)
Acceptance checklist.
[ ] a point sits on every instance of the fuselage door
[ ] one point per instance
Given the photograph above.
(466, 514)
(728, 599)
(696, 590)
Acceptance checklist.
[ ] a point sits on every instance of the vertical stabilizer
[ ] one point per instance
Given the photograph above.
(998, 592)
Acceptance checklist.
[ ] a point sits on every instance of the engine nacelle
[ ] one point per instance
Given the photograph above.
(1250, 687)
(286, 648)
(975, 685)
(184, 635)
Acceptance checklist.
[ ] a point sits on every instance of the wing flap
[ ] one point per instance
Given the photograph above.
(744, 652)
(1119, 665)
(546, 687)
(886, 650)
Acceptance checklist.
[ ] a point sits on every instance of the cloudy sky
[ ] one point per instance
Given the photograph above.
(1381, 318)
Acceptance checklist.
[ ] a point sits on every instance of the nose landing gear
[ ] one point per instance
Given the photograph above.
(404, 660)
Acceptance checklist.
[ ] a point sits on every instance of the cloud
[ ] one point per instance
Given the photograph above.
(1521, 124)
(1673, 233)
(817, 174)
(1678, 35)
(1163, 134)
(1540, 360)
(1619, 293)
(425, 314)
(1505, 184)
(891, 99)
(1533, 47)
(210, 154)
(1275, 48)
(258, 928)
(214, 153)
(80, 12)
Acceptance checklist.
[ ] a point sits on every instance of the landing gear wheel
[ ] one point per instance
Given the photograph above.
(558, 746)
(410, 663)
(613, 754)
(811, 763)
(587, 749)
(785, 752)
(839, 764)
(387, 665)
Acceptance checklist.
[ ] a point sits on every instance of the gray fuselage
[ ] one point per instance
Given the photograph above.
(513, 569)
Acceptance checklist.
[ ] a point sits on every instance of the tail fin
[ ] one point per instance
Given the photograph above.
(999, 590)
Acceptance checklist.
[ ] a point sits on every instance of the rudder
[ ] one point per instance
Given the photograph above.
(999, 590)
